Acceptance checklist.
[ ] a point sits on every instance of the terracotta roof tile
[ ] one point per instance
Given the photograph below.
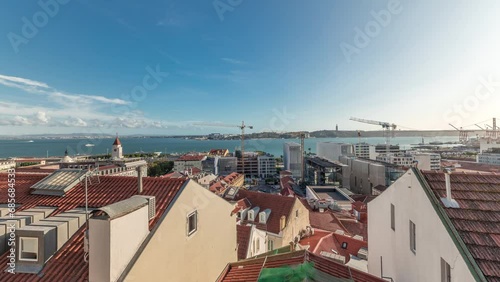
(249, 270)
(191, 158)
(477, 218)
(68, 264)
(279, 206)
(243, 239)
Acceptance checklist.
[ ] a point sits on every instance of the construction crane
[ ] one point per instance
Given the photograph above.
(242, 127)
(302, 150)
(463, 135)
(389, 129)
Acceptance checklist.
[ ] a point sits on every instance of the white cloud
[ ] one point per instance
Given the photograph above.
(41, 118)
(63, 98)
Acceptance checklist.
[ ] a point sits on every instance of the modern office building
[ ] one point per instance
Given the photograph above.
(266, 166)
(491, 156)
(361, 176)
(365, 150)
(396, 159)
(292, 159)
(332, 151)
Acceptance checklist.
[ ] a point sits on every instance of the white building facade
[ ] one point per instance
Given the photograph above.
(407, 238)
(428, 161)
(365, 150)
(396, 159)
(488, 158)
(266, 166)
(7, 164)
(332, 151)
(292, 158)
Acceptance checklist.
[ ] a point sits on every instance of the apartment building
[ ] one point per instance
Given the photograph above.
(365, 150)
(292, 158)
(432, 226)
(332, 151)
(266, 166)
(396, 159)
(135, 226)
(188, 161)
(281, 218)
(427, 161)
(7, 164)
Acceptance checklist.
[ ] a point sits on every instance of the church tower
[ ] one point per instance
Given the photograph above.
(117, 152)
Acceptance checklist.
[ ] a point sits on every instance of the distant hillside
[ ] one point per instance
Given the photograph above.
(379, 133)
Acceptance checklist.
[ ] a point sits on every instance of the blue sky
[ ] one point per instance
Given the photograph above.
(278, 65)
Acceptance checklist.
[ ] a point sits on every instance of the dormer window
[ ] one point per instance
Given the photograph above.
(250, 216)
(28, 249)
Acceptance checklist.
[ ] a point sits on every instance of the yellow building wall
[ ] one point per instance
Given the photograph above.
(173, 256)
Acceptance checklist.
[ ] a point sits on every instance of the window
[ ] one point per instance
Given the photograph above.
(28, 249)
(344, 245)
(413, 239)
(282, 222)
(258, 244)
(393, 223)
(192, 222)
(297, 213)
(270, 245)
(445, 271)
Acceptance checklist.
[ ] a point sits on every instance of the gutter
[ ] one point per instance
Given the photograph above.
(459, 243)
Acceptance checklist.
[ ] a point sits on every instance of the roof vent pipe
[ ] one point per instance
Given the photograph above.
(139, 180)
(448, 202)
(448, 185)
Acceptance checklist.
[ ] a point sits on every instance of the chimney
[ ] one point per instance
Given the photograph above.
(139, 180)
(448, 201)
(448, 185)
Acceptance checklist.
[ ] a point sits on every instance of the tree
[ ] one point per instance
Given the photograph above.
(160, 168)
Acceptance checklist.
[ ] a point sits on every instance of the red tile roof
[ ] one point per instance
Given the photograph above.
(279, 206)
(477, 219)
(232, 177)
(117, 141)
(241, 205)
(68, 264)
(35, 170)
(312, 241)
(217, 188)
(174, 175)
(324, 241)
(187, 158)
(243, 239)
(286, 186)
(249, 270)
(108, 167)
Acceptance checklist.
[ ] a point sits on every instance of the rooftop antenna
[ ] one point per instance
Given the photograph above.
(90, 173)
